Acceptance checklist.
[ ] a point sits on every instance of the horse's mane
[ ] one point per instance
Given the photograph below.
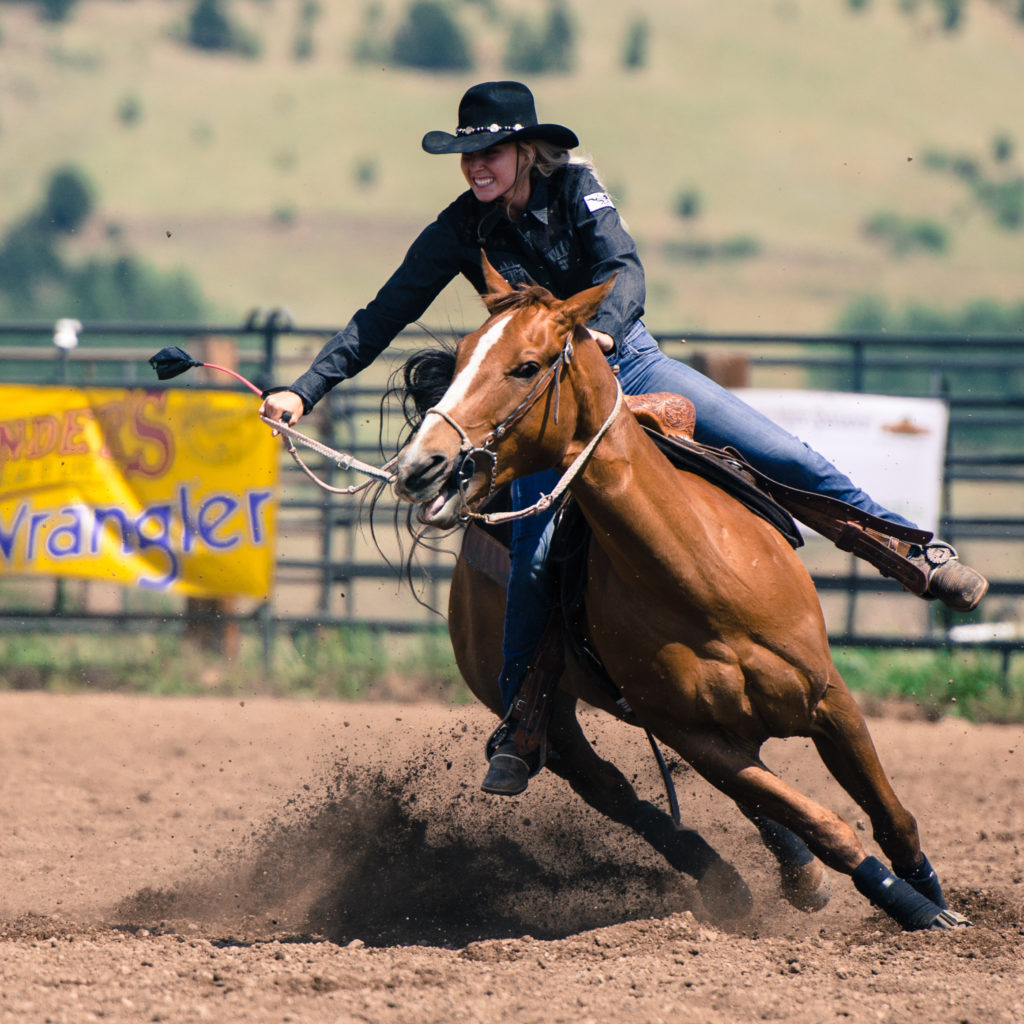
(520, 296)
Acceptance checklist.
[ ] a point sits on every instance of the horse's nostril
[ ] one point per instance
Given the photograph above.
(423, 475)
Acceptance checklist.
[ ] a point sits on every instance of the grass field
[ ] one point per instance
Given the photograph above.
(794, 120)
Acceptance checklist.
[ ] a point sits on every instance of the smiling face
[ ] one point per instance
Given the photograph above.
(499, 172)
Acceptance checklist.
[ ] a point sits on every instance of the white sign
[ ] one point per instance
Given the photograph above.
(891, 447)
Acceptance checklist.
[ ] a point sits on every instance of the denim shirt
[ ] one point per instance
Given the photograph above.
(569, 237)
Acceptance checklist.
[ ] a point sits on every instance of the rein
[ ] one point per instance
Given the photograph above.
(173, 361)
(341, 459)
(550, 378)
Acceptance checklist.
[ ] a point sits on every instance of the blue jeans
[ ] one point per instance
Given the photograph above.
(722, 420)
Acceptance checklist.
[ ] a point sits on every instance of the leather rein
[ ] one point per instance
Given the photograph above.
(551, 378)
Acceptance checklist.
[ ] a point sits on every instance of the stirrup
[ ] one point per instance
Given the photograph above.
(509, 770)
(956, 585)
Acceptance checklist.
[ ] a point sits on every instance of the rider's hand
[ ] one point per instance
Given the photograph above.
(604, 341)
(282, 405)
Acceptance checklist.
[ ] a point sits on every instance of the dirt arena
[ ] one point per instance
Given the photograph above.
(217, 860)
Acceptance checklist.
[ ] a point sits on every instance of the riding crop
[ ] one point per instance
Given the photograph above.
(172, 361)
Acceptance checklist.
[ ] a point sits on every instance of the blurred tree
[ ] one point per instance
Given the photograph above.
(688, 204)
(1002, 148)
(1005, 201)
(127, 288)
(365, 172)
(903, 235)
(869, 314)
(431, 39)
(995, 187)
(634, 52)
(208, 26)
(36, 281)
(951, 14)
(129, 111)
(371, 45)
(28, 257)
(302, 46)
(547, 47)
(559, 37)
(69, 200)
(56, 10)
(48, 10)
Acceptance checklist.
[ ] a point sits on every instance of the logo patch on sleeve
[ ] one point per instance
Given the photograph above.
(598, 201)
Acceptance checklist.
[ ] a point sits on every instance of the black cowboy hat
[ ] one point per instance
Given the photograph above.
(494, 112)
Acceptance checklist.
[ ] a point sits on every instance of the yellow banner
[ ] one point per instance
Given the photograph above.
(170, 490)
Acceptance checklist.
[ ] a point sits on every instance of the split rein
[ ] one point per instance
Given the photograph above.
(550, 378)
(290, 435)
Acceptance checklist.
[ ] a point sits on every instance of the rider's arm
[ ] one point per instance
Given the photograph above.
(429, 265)
(610, 249)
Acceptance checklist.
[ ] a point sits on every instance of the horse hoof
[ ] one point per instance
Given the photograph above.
(807, 886)
(950, 919)
(725, 894)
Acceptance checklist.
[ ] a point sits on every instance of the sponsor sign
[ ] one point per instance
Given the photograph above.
(171, 490)
(891, 447)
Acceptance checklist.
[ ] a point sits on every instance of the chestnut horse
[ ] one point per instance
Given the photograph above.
(702, 613)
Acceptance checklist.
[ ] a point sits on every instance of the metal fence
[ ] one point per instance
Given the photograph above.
(338, 565)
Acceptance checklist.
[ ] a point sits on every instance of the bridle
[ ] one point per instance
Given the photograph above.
(466, 468)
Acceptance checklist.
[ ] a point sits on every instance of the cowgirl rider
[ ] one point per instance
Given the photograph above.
(541, 217)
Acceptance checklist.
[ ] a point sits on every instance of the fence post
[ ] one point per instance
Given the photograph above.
(209, 621)
(730, 369)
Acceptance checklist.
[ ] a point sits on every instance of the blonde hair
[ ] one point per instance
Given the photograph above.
(547, 157)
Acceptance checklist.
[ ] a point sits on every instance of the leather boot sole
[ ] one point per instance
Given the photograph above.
(507, 775)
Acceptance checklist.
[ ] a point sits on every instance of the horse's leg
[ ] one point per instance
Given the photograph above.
(603, 786)
(844, 743)
(803, 878)
(742, 776)
(476, 618)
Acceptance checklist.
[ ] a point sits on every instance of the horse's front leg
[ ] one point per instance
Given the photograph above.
(601, 785)
(805, 883)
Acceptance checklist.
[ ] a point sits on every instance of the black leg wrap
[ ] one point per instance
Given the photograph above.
(899, 899)
(926, 882)
(686, 850)
(788, 849)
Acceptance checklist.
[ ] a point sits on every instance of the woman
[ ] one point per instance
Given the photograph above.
(541, 217)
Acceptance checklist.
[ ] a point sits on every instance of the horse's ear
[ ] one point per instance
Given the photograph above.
(497, 286)
(583, 305)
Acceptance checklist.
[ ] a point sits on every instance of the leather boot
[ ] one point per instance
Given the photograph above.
(509, 771)
(956, 585)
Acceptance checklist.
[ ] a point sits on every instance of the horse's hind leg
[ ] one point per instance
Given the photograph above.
(844, 743)
(600, 784)
(739, 773)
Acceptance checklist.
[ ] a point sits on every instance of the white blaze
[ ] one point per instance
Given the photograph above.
(463, 382)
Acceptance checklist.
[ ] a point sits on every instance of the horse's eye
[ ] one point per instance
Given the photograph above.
(524, 371)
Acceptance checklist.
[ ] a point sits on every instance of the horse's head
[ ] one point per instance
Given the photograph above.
(507, 411)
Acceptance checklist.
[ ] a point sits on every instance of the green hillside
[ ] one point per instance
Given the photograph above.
(299, 184)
